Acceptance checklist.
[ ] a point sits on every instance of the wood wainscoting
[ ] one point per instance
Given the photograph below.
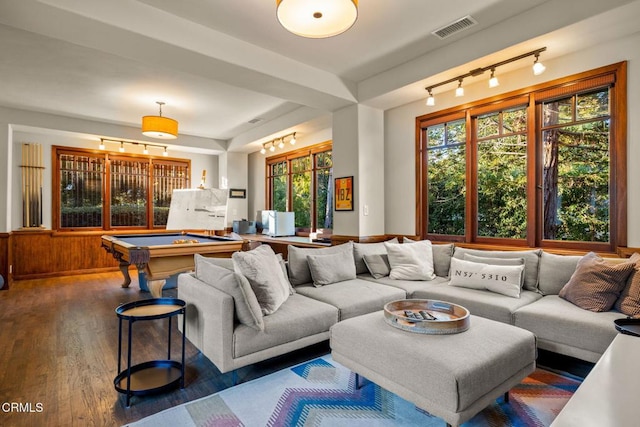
(46, 253)
(4, 259)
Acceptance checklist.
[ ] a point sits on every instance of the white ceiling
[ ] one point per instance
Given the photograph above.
(219, 64)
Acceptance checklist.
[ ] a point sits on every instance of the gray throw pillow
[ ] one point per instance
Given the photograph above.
(331, 268)
(299, 272)
(555, 272)
(378, 265)
(362, 249)
(263, 271)
(596, 284)
(247, 309)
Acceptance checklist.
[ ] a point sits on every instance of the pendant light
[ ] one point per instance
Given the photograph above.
(158, 126)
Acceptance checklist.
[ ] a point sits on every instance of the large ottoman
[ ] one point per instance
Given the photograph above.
(451, 376)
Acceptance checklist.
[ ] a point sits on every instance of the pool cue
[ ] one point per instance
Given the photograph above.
(40, 180)
(24, 189)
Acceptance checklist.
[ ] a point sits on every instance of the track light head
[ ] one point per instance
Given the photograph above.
(538, 67)
(459, 89)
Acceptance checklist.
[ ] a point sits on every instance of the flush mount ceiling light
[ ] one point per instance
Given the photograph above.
(317, 19)
(158, 126)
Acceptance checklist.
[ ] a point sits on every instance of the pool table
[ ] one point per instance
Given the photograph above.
(164, 254)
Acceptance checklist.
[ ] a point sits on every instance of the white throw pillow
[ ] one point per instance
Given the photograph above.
(411, 262)
(502, 279)
(261, 267)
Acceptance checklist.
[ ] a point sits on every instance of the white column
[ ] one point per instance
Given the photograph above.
(233, 169)
(358, 151)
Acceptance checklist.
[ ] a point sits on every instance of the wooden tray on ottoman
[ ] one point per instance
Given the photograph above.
(427, 316)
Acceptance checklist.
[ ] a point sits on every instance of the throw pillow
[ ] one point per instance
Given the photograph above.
(496, 261)
(299, 272)
(629, 301)
(362, 249)
(411, 262)
(501, 279)
(331, 268)
(247, 308)
(263, 271)
(441, 257)
(596, 284)
(555, 272)
(378, 265)
(531, 262)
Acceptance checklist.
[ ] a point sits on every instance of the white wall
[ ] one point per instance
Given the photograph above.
(399, 129)
(50, 138)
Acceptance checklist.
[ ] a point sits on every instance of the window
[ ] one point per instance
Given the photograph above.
(541, 167)
(97, 190)
(301, 182)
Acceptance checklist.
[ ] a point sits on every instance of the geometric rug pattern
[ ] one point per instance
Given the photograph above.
(322, 392)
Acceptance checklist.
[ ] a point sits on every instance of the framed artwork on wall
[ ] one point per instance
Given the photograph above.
(237, 193)
(344, 194)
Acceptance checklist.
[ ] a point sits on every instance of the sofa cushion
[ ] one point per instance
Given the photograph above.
(378, 265)
(299, 272)
(531, 262)
(502, 279)
(297, 318)
(629, 300)
(409, 286)
(246, 306)
(362, 249)
(479, 302)
(442, 254)
(553, 319)
(411, 262)
(555, 272)
(353, 297)
(261, 267)
(331, 268)
(596, 284)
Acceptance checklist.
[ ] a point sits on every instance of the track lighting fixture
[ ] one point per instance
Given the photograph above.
(538, 68)
(122, 142)
(271, 145)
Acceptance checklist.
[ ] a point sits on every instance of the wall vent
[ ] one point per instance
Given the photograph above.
(256, 120)
(455, 27)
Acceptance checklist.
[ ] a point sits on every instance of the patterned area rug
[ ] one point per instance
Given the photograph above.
(323, 393)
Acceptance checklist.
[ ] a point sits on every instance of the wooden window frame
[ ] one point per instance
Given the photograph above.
(614, 76)
(309, 151)
(106, 185)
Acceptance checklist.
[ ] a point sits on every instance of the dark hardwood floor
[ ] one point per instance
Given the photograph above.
(59, 348)
(58, 355)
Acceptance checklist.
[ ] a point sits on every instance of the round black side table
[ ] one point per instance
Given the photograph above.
(157, 375)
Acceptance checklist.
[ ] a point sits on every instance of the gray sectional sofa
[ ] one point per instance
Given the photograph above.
(213, 323)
